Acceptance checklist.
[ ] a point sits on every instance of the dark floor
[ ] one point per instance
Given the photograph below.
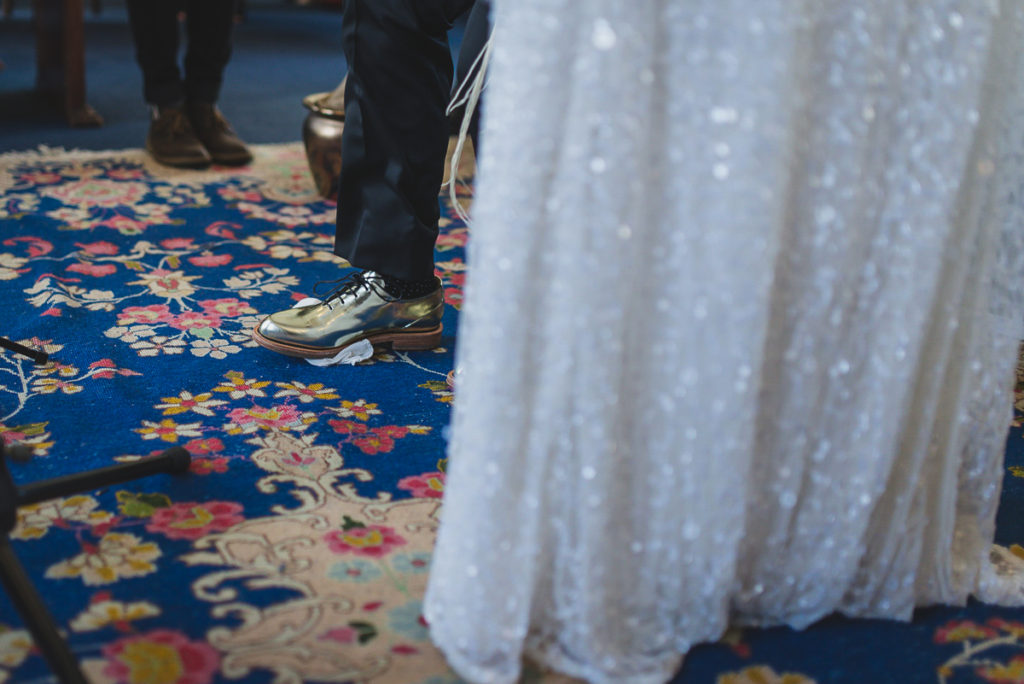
(282, 52)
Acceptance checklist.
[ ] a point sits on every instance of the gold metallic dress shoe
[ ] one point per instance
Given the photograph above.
(358, 309)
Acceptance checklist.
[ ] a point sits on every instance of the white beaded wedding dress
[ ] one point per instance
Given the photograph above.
(744, 299)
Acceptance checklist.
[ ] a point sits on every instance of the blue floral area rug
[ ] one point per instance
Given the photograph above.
(297, 548)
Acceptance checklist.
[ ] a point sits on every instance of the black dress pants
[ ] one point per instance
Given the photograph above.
(396, 133)
(155, 29)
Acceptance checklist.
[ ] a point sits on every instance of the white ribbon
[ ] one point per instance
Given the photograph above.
(350, 355)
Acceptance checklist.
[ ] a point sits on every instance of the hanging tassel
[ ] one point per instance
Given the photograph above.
(470, 97)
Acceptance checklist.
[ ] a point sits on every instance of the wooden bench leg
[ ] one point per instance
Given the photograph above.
(60, 58)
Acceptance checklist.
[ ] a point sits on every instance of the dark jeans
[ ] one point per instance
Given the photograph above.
(155, 29)
(396, 132)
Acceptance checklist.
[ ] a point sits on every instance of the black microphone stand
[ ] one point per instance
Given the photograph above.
(16, 581)
(40, 357)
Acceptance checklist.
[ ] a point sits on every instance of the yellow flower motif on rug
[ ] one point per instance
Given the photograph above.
(9, 265)
(169, 284)
(998, 672)
(35, 520)
(762, 674)
(14, 647)
(117, 555)
(104, 613)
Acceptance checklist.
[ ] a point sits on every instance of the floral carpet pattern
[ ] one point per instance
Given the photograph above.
(298, 547)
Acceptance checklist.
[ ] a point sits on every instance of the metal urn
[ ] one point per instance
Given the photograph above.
(321, 136)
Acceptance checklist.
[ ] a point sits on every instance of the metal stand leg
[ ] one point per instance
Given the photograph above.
(12, 574)
(37, 618)
(39, 357)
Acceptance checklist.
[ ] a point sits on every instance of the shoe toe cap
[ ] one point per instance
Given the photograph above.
(272, 328)
(299, 326)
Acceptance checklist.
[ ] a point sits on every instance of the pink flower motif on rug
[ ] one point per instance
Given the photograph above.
(380, 440)
(126, 174)
(348, 427)
(280, 417)
(371, 441)
(210, 260)
(205, 466)
(40, 177)
(96, 270)
(97, 192)
(427, 485)
(457, 237)
(226, 307)
(195, 320)
(355, 537)
(161, 657)
(237, 194)
(101, 248)
(154, 313)
(204, 446)
(194, 520)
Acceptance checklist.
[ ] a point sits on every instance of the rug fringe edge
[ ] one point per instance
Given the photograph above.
(45, 152)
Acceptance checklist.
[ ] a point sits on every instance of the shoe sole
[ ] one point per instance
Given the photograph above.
(180, 162)
(232, 161)
(419, 340)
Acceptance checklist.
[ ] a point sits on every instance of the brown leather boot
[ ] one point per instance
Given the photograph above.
(216, 134)
(172, 141)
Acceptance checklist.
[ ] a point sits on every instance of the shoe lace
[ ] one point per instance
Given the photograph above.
(349, 284)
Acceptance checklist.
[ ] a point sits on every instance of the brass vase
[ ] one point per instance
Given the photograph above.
(321, 135)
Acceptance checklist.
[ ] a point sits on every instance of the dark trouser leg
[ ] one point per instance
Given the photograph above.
(396, 133)
(154, 25)
(209, 23)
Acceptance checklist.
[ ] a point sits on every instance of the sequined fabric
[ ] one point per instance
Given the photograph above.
(742, 310)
